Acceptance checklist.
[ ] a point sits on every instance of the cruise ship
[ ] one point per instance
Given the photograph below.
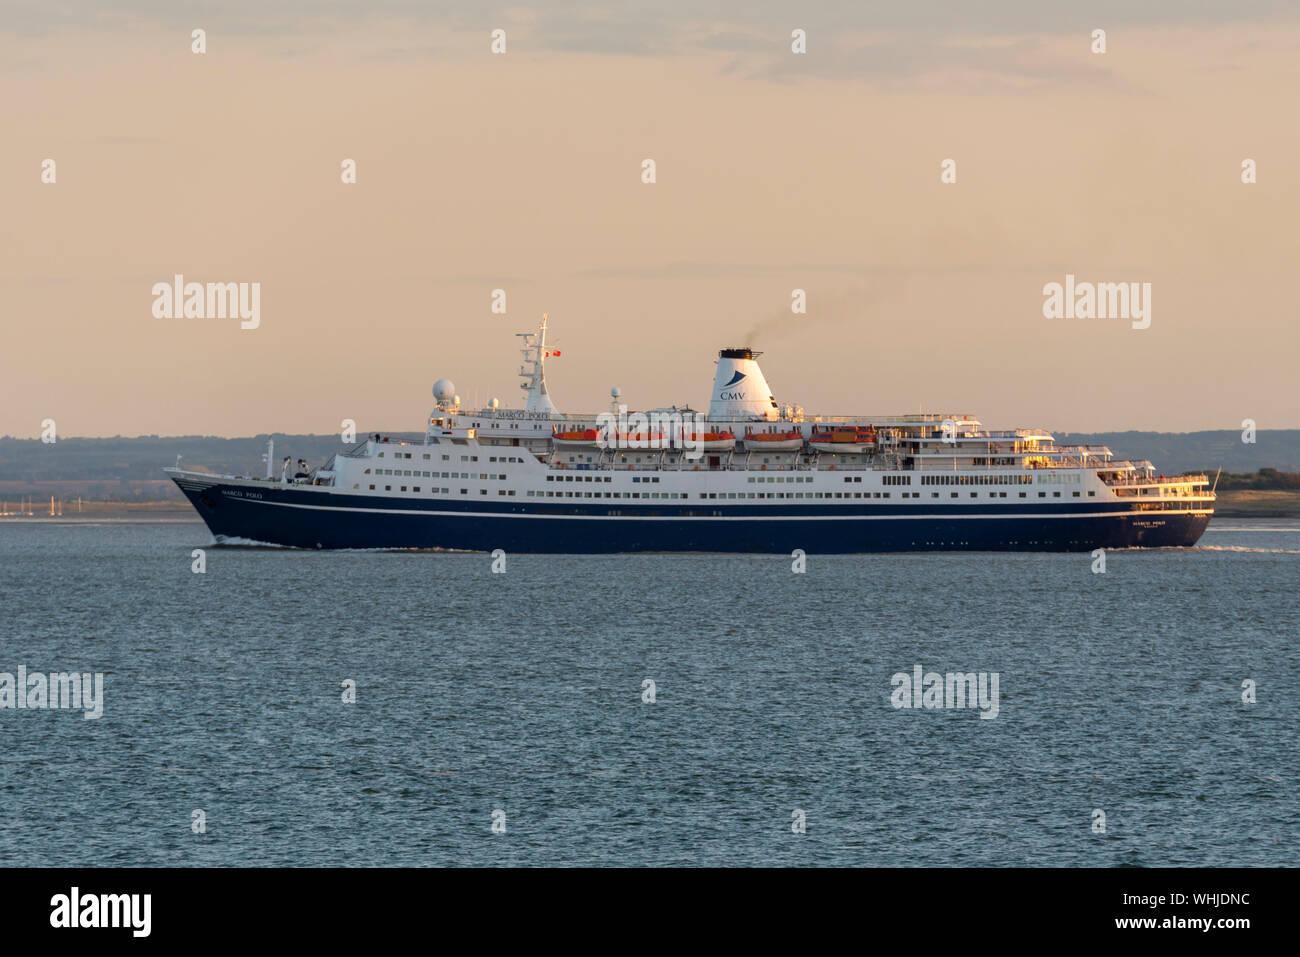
(750, 475)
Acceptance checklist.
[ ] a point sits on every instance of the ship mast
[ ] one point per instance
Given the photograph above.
(533, 371)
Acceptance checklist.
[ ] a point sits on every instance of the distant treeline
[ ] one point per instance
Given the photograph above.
(1263, 480)
(1176, 452)
(144, 457)
(117, 466)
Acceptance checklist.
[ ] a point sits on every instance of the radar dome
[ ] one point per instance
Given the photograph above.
(443, 390)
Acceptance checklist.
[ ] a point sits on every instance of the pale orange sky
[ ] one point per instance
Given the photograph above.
(522, 171)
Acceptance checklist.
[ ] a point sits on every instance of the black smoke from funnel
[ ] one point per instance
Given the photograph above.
(838, 310)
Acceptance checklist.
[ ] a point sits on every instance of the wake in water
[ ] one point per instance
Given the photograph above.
(1246, 548)
(1251, 528)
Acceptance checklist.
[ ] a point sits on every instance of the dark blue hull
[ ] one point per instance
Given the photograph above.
(312, 518)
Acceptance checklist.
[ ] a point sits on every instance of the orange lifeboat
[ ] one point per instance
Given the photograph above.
(774, 441)
(844, 440)
(639, 440)
(710, 441)
(584, 439)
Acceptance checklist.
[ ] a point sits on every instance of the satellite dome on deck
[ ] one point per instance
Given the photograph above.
(443, 390)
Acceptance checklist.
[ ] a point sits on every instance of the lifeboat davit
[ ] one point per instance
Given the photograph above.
(584, 439)
(845, 440)
(710, 441)
(774, 441)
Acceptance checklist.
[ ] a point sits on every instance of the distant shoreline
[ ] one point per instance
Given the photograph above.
(105, 511)
(1253, 503)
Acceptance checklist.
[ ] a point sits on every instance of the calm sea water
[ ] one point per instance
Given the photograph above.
(522, 692)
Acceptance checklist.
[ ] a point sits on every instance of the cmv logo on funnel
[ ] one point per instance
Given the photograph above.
(732, 395)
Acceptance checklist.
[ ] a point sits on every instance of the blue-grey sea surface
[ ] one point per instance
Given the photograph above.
(524, 693)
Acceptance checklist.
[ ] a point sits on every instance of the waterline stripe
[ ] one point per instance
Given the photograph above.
(706, 518)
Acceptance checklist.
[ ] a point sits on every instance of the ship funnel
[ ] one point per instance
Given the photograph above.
(739, 389)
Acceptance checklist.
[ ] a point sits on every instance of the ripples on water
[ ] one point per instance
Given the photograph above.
(522, 692)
